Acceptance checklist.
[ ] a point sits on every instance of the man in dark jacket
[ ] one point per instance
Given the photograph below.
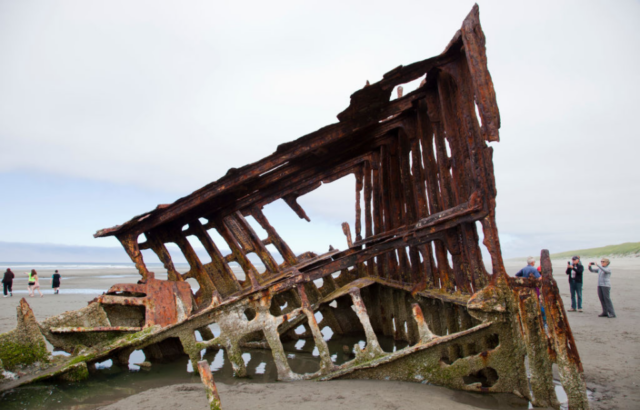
(574, 270)
(7, 281)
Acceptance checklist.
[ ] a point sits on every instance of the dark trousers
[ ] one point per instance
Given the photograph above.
(604, 293)
(576, 291)
(7, 287)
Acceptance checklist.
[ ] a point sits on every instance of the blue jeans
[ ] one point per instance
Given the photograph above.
(576, 290)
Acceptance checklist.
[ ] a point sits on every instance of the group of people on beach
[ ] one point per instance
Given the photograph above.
(574, 271)
(33, 283)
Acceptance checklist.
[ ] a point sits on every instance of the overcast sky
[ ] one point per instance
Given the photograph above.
(108, 108)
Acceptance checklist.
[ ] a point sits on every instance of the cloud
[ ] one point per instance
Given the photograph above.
(166, 97)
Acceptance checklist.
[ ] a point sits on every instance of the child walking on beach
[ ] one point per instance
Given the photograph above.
(55, 282)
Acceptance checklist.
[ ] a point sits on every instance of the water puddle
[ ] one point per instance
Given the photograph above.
(111, 383)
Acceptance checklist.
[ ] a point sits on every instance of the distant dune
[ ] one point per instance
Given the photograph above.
(628, 249)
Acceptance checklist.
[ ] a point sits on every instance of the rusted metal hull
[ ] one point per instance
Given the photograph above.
(413, 269)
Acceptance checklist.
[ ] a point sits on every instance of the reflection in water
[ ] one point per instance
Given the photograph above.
(111, 383)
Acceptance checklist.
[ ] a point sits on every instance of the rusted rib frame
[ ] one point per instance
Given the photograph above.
(398, 202)
(291, 200)
(368, 226)
(558, 323)
(427, 114)
(346, 230)
(174, 234)
(476, 154)
(236, 177)
(216, 256)
(274, 237)
(440, 217)
(432, 192)
(210, 385)
(537, 347)
(156, 243)
(375, 134)
(460, 270)
(418, 177)
(123, 300)
(459, 115)
(369, 99)
(424, 333)
(395, 187)
(404, 154)
(207, 288)
(465, 265)
(293, 183)
(444, 194)
(413, 127)
(95, 329)
(407, 351)
(474, 44)
(299, 182)
(391, 263)
(361, 310)
(489, 228)
(249, 270)
(368, 217)
(417, 237)
(411, 202)
(129, 242)
(256, 243)
(450, 176)
(567, 356)
(387, 220)
(242, 238)
(359, 174)
(378, 225)
(470, 241)
(326, 365)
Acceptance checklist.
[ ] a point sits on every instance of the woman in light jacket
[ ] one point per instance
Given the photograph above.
(604, 287)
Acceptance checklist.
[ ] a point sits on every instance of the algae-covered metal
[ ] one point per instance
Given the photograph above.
(412, 271)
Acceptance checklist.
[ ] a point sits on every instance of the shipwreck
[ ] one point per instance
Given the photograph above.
(412, 268)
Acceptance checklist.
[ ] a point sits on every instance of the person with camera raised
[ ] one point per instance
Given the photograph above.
(604, 287)
(575, 270)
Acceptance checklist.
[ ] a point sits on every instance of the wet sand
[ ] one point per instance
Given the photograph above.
(343, 394)
(609, 348)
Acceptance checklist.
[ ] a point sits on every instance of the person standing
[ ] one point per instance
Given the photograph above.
(604, 287)
(7, 282)
(575, 270)
(529, 271)
(55, 282)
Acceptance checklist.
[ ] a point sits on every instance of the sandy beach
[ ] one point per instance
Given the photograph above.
(609, 348)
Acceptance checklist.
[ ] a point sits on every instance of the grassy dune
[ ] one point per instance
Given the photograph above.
(623, 249)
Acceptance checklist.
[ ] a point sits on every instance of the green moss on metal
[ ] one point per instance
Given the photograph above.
(76, 373)
(16, 351)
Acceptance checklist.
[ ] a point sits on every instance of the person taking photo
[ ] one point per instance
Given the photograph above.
(575, 270)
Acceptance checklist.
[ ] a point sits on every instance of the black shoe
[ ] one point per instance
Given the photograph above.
(603, 315)
(612, 316)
